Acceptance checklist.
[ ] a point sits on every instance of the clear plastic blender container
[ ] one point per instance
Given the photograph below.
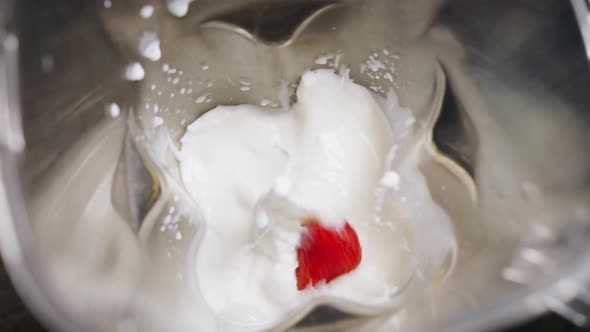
(84, 193)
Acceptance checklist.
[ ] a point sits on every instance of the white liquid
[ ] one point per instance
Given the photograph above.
(330, 154)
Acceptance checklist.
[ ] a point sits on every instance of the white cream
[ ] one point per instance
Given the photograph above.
(253, 171)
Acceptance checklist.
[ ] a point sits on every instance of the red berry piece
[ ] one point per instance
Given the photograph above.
(325, 253)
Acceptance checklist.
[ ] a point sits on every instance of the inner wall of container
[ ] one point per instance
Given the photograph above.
(106, 274)
(206, 72)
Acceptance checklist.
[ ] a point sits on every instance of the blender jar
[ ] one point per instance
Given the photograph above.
(99, 234)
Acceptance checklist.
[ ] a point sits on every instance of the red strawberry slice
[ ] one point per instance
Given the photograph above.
(325, 253)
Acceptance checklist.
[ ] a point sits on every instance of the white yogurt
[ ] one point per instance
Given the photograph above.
(328, 154)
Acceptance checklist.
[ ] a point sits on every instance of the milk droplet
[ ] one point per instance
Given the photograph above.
(157, 121)
(201, 99)
(149, 46)
(322, 60)
(167, 220)
(146, 11)
(178, 8)
(134, 72)
(114, 110)
(390, 180)
(47, 63)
